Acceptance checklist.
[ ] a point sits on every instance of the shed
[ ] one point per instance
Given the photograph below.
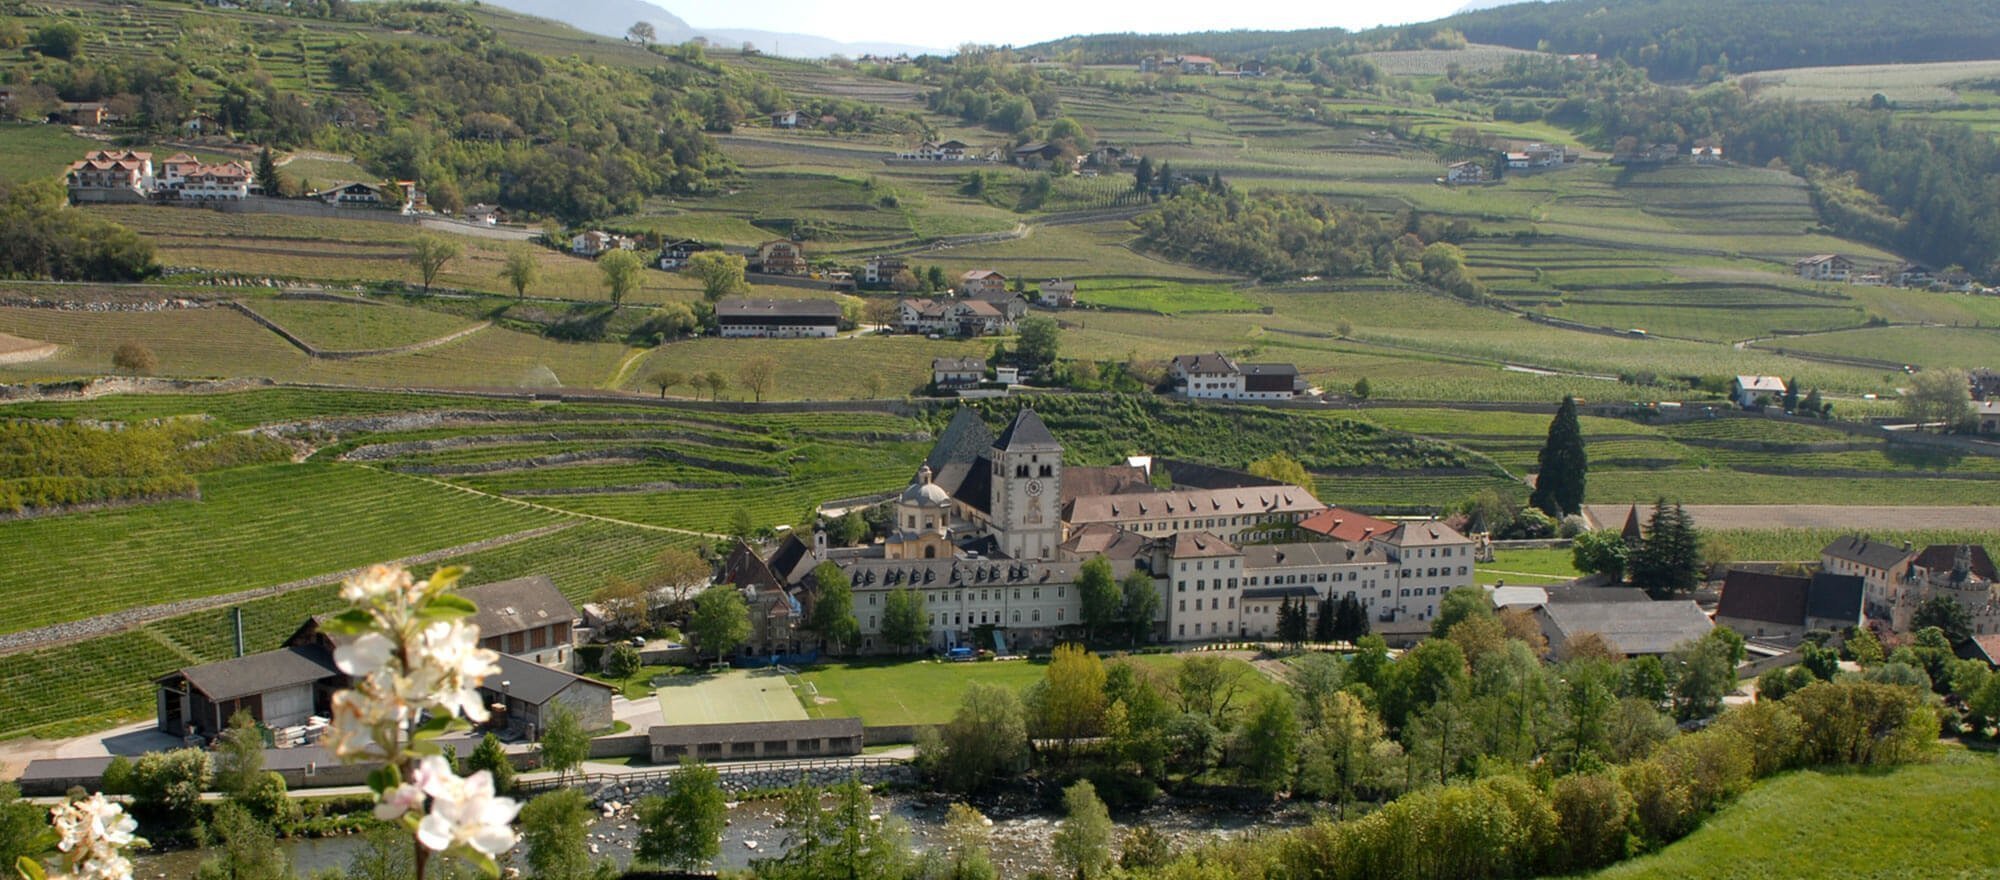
(824, 737)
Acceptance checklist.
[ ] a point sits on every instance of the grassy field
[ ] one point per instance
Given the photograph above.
(1846, 824)
(333, 326)
(1528, 567)
(39, 152)
(1930, 83)
(1161, 298)
(1931, 347)
(928, 691)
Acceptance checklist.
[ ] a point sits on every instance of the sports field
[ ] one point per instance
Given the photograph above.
(735, 696)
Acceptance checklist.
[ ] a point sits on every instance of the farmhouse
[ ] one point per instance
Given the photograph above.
(1705, 154)
(966, 317)
(1214, 376)
(527, 693)
(992, 532)
(1825, 267)
(105, 176)
(781, 257)
(1536, 157)
(352, 195)
(1057, 294)
(982, 282)
(1036, 154)
(1465, 172)
(1782, 608)
(881, 271)
(785, 119)
(939, 151)
(777, 318)
(675, 254)
(597, 242)
(1986, 416)
(1751, 392)
(198, 181)
(949, 372)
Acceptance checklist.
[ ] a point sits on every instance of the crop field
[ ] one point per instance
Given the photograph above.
(1930, 83)
(1724, 486)
(897, 364)
(1799, 824)
(1804, 545)
(1434, 62)
(1932, 347)
(333, 326)
(252, 527)
(1162, 298)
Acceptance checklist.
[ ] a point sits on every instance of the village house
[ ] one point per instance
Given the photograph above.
(1465, 172)
(880, 270)
(108, 176)
(1986, 416)
(1036, 154)
(1215, 376)
(781, 257)
(1824, 267)
(785, 119)
(596, 243)
(939, 151)
(1781, 609)
(1913, 275)
(1753, 392)
(483, 214)
(88, 114)
(957, 372)
(1534, 157)
(1056, 294)
(1705, 154)
(992, 531)
(675, 254)
(777, 318)
(198, 181)
(352, 195)
(1250, 68)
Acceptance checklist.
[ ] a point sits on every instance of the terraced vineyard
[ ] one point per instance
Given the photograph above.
(331, 326)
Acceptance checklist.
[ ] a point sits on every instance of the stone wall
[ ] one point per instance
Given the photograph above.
(758, 777)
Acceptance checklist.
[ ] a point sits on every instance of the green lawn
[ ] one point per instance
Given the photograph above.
(1164, 298)
(36, 152)
(928, 692)
(1527, 568)
(1930, 820)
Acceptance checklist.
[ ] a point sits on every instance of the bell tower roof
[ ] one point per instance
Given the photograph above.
(1027, 432)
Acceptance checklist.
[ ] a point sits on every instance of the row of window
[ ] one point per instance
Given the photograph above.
(964, 595)
(963, 618)
(1212, 604)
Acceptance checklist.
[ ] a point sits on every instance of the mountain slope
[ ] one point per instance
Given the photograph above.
(612, 18)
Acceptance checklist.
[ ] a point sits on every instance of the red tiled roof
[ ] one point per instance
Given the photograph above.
(1345, 525)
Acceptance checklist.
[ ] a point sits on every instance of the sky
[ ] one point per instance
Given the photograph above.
(952, 22)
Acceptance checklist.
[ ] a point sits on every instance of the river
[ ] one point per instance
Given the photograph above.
(1020, 843)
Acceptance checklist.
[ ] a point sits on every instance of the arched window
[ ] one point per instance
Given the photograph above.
(930, 552)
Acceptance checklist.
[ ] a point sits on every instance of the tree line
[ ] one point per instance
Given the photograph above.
(40, 239)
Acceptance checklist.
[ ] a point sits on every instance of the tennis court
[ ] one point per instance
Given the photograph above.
(728, 697)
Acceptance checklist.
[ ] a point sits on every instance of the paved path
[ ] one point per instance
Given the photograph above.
(1817, 516)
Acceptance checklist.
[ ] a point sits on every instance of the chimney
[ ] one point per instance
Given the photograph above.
(1906, 546)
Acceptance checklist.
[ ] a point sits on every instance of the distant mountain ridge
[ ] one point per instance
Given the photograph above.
(612, 18)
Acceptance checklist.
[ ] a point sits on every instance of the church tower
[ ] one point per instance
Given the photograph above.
(1027, 488)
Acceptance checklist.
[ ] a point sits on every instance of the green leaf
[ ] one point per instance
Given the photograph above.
(385, 777)
(446, 605)
(445, 578)
(484, 861)
(349, 622)
(30, 869)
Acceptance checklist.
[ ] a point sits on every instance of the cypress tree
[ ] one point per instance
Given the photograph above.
(267, 175)
(1559, 482)
(1791, 399)
(1669, 561)
(1323, 625)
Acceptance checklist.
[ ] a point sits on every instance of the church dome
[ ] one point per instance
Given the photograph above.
(924, 492)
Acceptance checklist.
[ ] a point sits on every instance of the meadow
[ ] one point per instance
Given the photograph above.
(1930, 83)
(331, 326)
(928, 691)
(1161, 298)
(1802, 824)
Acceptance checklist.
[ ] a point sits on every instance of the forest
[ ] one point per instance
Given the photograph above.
(39, 240)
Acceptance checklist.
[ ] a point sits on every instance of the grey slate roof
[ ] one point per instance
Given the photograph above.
(257, 673)
(1769, 598)
(965, 440)
(518, 605)
(757, 731)
(533, 682)
(749, 309)
(1835, 596)
(1027, 432)
(1874, 554)
(1632, 627)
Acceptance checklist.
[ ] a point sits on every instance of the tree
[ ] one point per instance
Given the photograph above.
(520, 271)
(1460, 604)
(267, 174)
(134, 358)
(248, 848)
(680, 572)
(969, 838)
(239, 757)
(1704, 670)
(1142, 177)
(1068, 704)
(985, 741)
(622, 270)
(1939, 397)
(1267, 744)
(721, 620)
(1323, 624)
(1947, 615)
(565, 744)
(492, 757)
(556, 828)
(721, 273)
(1284, 469)
(1600, 552)
(1141, 603)
(625, 604)
(1863, 647)
(1361, 389)
(1292, 623)
(833, 610)
(430, 254)
(715, 382)
(683, 828)
(642, 31)
(1099, 595)
(167, 787)
(665, 379)
(1669, 559)
(1083, 843)
(59, 40)
(757, 375)
(1039, 343)
(935, 279)
(1350, 620)
(22, 825)
(622, 661)
(1207, 685)
(903, 624)
(1559, 479)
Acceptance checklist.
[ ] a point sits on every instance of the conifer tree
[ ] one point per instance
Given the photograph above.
(1669, 561)
(1559, 481)
(1323, 625)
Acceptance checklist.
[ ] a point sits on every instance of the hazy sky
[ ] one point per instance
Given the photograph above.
(951, 22)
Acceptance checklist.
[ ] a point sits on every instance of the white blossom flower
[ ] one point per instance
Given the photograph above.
(366, 654)
(453, 665)
(399, 800)
(376, 583)
(464, 811)
(92, 834)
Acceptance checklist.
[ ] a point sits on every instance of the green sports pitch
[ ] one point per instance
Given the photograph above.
(734, 696)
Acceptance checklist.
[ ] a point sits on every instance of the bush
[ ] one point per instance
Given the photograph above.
(1593, 815)
(621, 660)
(1863, 723)
(267, 798)
(166, 786)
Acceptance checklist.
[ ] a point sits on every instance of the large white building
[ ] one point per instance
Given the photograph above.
(1215, 376)
(993, 531)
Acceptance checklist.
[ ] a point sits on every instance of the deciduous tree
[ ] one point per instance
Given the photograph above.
(134, 358)
(683, 828)
(757, 375)
(833, 608)
(721, 620)
(903, 625)
(721, 273)
(985, 741)
(622, 270)
(520, 271)
(556, 828)
(430, 253)
(565, 744)
(1141, 601)
(665, 379)
(1099, 596)
(1284, 469)
(1083, 843)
